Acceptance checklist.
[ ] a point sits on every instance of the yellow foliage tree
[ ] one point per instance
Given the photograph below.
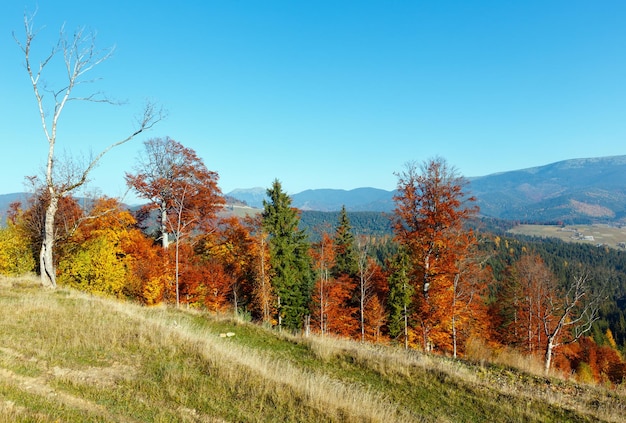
(95, 268)
(16, 256)
(109, 255)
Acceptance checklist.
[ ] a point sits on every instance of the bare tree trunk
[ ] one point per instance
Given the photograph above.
(453, 336)
(178, 235)
(406, 328)
(362, 304)
(548, 357)
(265, 300)
(177, 271)
(455, 292)
(46, 258)
(364, 283)
(235, 302)
(165, 239)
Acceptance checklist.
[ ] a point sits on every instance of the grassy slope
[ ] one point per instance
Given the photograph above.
(67, 356)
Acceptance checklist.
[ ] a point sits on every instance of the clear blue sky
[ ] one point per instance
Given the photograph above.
(331, 94)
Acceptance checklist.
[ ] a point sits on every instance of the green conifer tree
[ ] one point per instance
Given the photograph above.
(400, 297)
(346, 257)
(289, 258)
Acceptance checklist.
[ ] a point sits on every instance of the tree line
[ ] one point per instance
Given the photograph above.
(441, 287)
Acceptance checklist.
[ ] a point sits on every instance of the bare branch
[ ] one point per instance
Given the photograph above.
(79, 56)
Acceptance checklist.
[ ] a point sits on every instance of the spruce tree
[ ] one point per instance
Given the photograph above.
(289, 257)
(346, 258)
(400, 297)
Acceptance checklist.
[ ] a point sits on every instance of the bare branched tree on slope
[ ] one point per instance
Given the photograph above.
(79, 56)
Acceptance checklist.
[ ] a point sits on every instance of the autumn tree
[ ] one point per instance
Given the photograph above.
(374, 313)
(534, 297)
(146, 281)
(180, 187)
(107, 254)
(431, 210)
(469, 312)
(262, 299)
(234, 246)
(547, 313)
(289, 258)
(78, 58)
(15, 250)
(366, 269)
(33, 219)
(323, 261)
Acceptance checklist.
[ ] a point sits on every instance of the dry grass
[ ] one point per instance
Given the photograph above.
(68, 356)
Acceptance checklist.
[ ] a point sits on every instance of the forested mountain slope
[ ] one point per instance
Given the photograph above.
(570, 191)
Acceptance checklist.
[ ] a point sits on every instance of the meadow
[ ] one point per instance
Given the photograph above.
(609, 235)
(74, 357)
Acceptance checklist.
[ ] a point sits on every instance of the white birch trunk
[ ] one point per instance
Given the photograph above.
(46, 259)
(165, 239)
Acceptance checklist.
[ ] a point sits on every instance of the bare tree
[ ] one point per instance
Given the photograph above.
(79, 56)
(577, 309)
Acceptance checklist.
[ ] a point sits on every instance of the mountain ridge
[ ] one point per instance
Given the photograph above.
(584, 190)
(574, 191)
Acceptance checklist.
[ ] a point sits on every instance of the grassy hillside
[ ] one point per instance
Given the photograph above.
(68, 356)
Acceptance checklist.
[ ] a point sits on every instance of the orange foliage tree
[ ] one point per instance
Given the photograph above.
(469, 316)
(431, 210)
(370, 291)
(332, 311)
(180, 187)
(374, 313)
(323, 256)
(591, 362)
(233, 247)
(536, 292)
(204, 280)
(263, 298)
(108, 254)
(545, 314)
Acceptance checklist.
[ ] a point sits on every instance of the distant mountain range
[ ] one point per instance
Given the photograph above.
(579, 190)
(7, 199)
(569, 191)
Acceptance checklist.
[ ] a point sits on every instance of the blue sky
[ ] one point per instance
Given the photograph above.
(330, 94)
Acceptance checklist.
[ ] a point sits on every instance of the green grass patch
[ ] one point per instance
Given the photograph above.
(66, 355)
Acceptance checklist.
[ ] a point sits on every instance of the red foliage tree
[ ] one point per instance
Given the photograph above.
(374, 313)
(67, 219)
(177, 184)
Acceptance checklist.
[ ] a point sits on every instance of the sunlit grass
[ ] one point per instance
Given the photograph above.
(69, 356)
